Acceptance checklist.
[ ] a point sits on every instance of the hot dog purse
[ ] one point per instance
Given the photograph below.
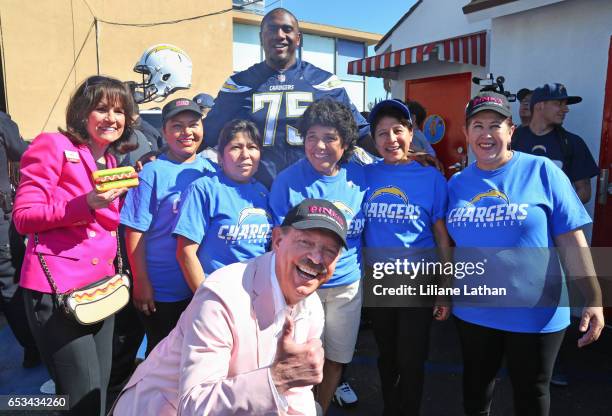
(107, 179)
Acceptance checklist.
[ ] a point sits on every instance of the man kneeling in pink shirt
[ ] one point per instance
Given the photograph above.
(248, 343)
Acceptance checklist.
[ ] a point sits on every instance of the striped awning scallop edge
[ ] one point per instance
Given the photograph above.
(467, 49)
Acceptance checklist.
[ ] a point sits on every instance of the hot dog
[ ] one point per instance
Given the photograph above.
(106, 179)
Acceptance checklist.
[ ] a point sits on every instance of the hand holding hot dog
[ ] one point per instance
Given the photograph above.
(96, 200)
(115, 178)
(110, 184)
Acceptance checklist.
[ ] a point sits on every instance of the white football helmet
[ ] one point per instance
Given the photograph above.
(165, 69)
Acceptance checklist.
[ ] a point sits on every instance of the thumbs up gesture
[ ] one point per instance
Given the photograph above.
(296, 365)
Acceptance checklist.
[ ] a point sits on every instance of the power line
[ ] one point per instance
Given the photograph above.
(274, 2)
(169, 22)
(89, 7)
(3, 53)
(94, 23)
(68, 77)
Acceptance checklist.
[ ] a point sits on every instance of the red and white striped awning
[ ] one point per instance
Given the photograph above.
(468, 49)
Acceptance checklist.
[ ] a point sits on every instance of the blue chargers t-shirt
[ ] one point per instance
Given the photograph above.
(402, 204)
(346, 190)
(512, 211)
(151, 208)
(229, 220)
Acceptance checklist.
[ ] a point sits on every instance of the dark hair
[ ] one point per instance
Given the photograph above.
(276, 11)
(131, 85)
(418, 112)
(235, 126)
(85, 99)
(389, 111)
(331, 113)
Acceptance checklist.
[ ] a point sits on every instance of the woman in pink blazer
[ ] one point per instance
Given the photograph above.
(76, 230)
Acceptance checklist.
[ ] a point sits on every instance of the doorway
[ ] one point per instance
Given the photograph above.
(444, 98)
(602, 226)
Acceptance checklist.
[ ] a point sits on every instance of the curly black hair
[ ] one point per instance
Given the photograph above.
(330, 113)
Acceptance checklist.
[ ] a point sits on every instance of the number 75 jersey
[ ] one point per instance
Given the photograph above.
(275, 101)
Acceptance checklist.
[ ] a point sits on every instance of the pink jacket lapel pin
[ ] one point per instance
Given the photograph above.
(72, 156)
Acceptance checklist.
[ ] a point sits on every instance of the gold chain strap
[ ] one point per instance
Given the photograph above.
(45, 268)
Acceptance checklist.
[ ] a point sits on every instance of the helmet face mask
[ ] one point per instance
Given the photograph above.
(146, 91)
(165, 69)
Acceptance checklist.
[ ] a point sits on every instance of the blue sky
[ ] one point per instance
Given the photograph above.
(376, 16)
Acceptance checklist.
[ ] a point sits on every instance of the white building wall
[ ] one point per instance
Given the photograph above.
(505, 9)
(566, 42)
(433, 20)
(319, 51)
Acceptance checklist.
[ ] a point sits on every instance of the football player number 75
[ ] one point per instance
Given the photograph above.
(296, 103)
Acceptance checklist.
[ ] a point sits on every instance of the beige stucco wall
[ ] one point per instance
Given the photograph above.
(41, 39)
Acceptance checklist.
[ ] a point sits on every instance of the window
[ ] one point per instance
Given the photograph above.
(348, 51)
(247, 50)
(319, 51)
(356, 92)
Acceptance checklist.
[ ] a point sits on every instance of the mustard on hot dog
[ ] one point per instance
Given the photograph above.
(106, 179)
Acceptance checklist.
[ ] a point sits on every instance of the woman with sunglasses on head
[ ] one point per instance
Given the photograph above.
(74, 228)
(160, 292)
(511, 209)
(224, 218)
(405, 208)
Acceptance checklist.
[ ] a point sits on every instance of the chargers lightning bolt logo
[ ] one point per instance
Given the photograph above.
(391, 190)
(355, 221)
(491, 208)
(378, 207)
(348, 213)
(254, 225)
(246, 212)
(491, 193)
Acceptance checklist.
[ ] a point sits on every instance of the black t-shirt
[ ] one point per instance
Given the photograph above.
(147, 137)
(581, 166)
(152, 133)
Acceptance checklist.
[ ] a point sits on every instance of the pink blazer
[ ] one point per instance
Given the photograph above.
(214, 361)
(78, 244)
